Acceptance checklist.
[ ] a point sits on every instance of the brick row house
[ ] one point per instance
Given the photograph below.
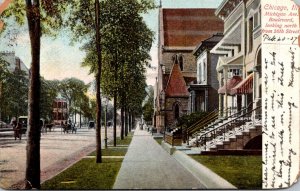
(180, 31)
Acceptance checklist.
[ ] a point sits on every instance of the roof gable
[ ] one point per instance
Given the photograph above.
(176, 84)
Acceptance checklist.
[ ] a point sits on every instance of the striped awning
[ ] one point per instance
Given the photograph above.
(245, 86)
(231, 83)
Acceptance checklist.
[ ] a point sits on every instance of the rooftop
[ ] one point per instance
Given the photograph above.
(188, 27)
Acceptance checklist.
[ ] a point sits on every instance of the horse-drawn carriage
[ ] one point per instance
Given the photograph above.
(68, 127)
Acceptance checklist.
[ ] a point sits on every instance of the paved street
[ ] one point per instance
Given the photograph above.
(58, 150)
(147, 166)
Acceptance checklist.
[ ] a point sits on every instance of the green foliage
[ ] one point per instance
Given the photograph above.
(242, 171)
(189, 119)
(14, 92)
(51, 14)
(49, 92)
(109, 113)
(3, 69)
(74, 90)
(148, 106)
(126, 41)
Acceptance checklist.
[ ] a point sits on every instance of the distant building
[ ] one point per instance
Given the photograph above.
(180, 31)
(204, 93)
(60, 111)
(15, 63)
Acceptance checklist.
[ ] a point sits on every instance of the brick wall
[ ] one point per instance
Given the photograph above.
(189, 63)
(170, 111)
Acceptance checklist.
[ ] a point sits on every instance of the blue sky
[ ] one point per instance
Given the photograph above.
(61, 60)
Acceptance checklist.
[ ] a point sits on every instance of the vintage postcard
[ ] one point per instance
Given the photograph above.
(149, 94)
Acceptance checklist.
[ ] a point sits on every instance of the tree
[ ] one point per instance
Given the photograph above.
(3, 75)
(13, 92)
(50, 13)
(148, 106)
(126, 41)
(49, 92)
(85, 25)
(73, 90)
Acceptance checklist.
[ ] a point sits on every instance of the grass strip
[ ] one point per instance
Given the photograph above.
(242, 171)
(158, 140)
(126, 141)
(86, 175)
(112, 152)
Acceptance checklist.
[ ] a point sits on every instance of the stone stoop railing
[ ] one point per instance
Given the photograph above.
(201, 124)
(231, 133)
(215, 124)
(239, 140)
(174, 138)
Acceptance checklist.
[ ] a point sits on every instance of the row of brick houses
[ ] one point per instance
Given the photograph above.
(209, 59)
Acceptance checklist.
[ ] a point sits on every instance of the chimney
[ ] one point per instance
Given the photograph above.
(18, 64)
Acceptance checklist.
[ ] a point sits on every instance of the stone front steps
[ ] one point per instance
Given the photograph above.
(235, 138)
(238, 141)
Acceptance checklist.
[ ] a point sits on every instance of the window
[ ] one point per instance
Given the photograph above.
(250, 34)
(234, 72)
(181, 62)
(204, 71)
(255, 20)
(178, 59)
(176, 111)
(199, 73)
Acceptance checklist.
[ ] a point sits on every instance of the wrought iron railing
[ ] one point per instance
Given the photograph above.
(232, 111)
(225, 127)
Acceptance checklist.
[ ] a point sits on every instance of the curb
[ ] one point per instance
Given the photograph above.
(207, 177)
(168, 148)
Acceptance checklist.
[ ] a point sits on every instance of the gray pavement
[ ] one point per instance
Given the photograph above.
(58, 151)
(147, 166)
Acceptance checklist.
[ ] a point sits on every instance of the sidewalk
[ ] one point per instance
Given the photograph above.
(147, 166)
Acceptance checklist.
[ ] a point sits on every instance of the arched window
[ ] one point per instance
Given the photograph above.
(176, 111)
(178, 59)
(181, 62)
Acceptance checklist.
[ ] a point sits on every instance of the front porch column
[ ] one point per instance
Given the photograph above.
(206, 100)
(226, 93)
(221, 105)
(193, 100)
(225, 105)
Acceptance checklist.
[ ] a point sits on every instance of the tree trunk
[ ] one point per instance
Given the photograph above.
(133, 122)
(129, 114)
(122, 122)
(115, 119)
(33, 168)
(115, 105)
(122, 102)
(98, 83)
(75, 116)
(126, 122)
(80, 119)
